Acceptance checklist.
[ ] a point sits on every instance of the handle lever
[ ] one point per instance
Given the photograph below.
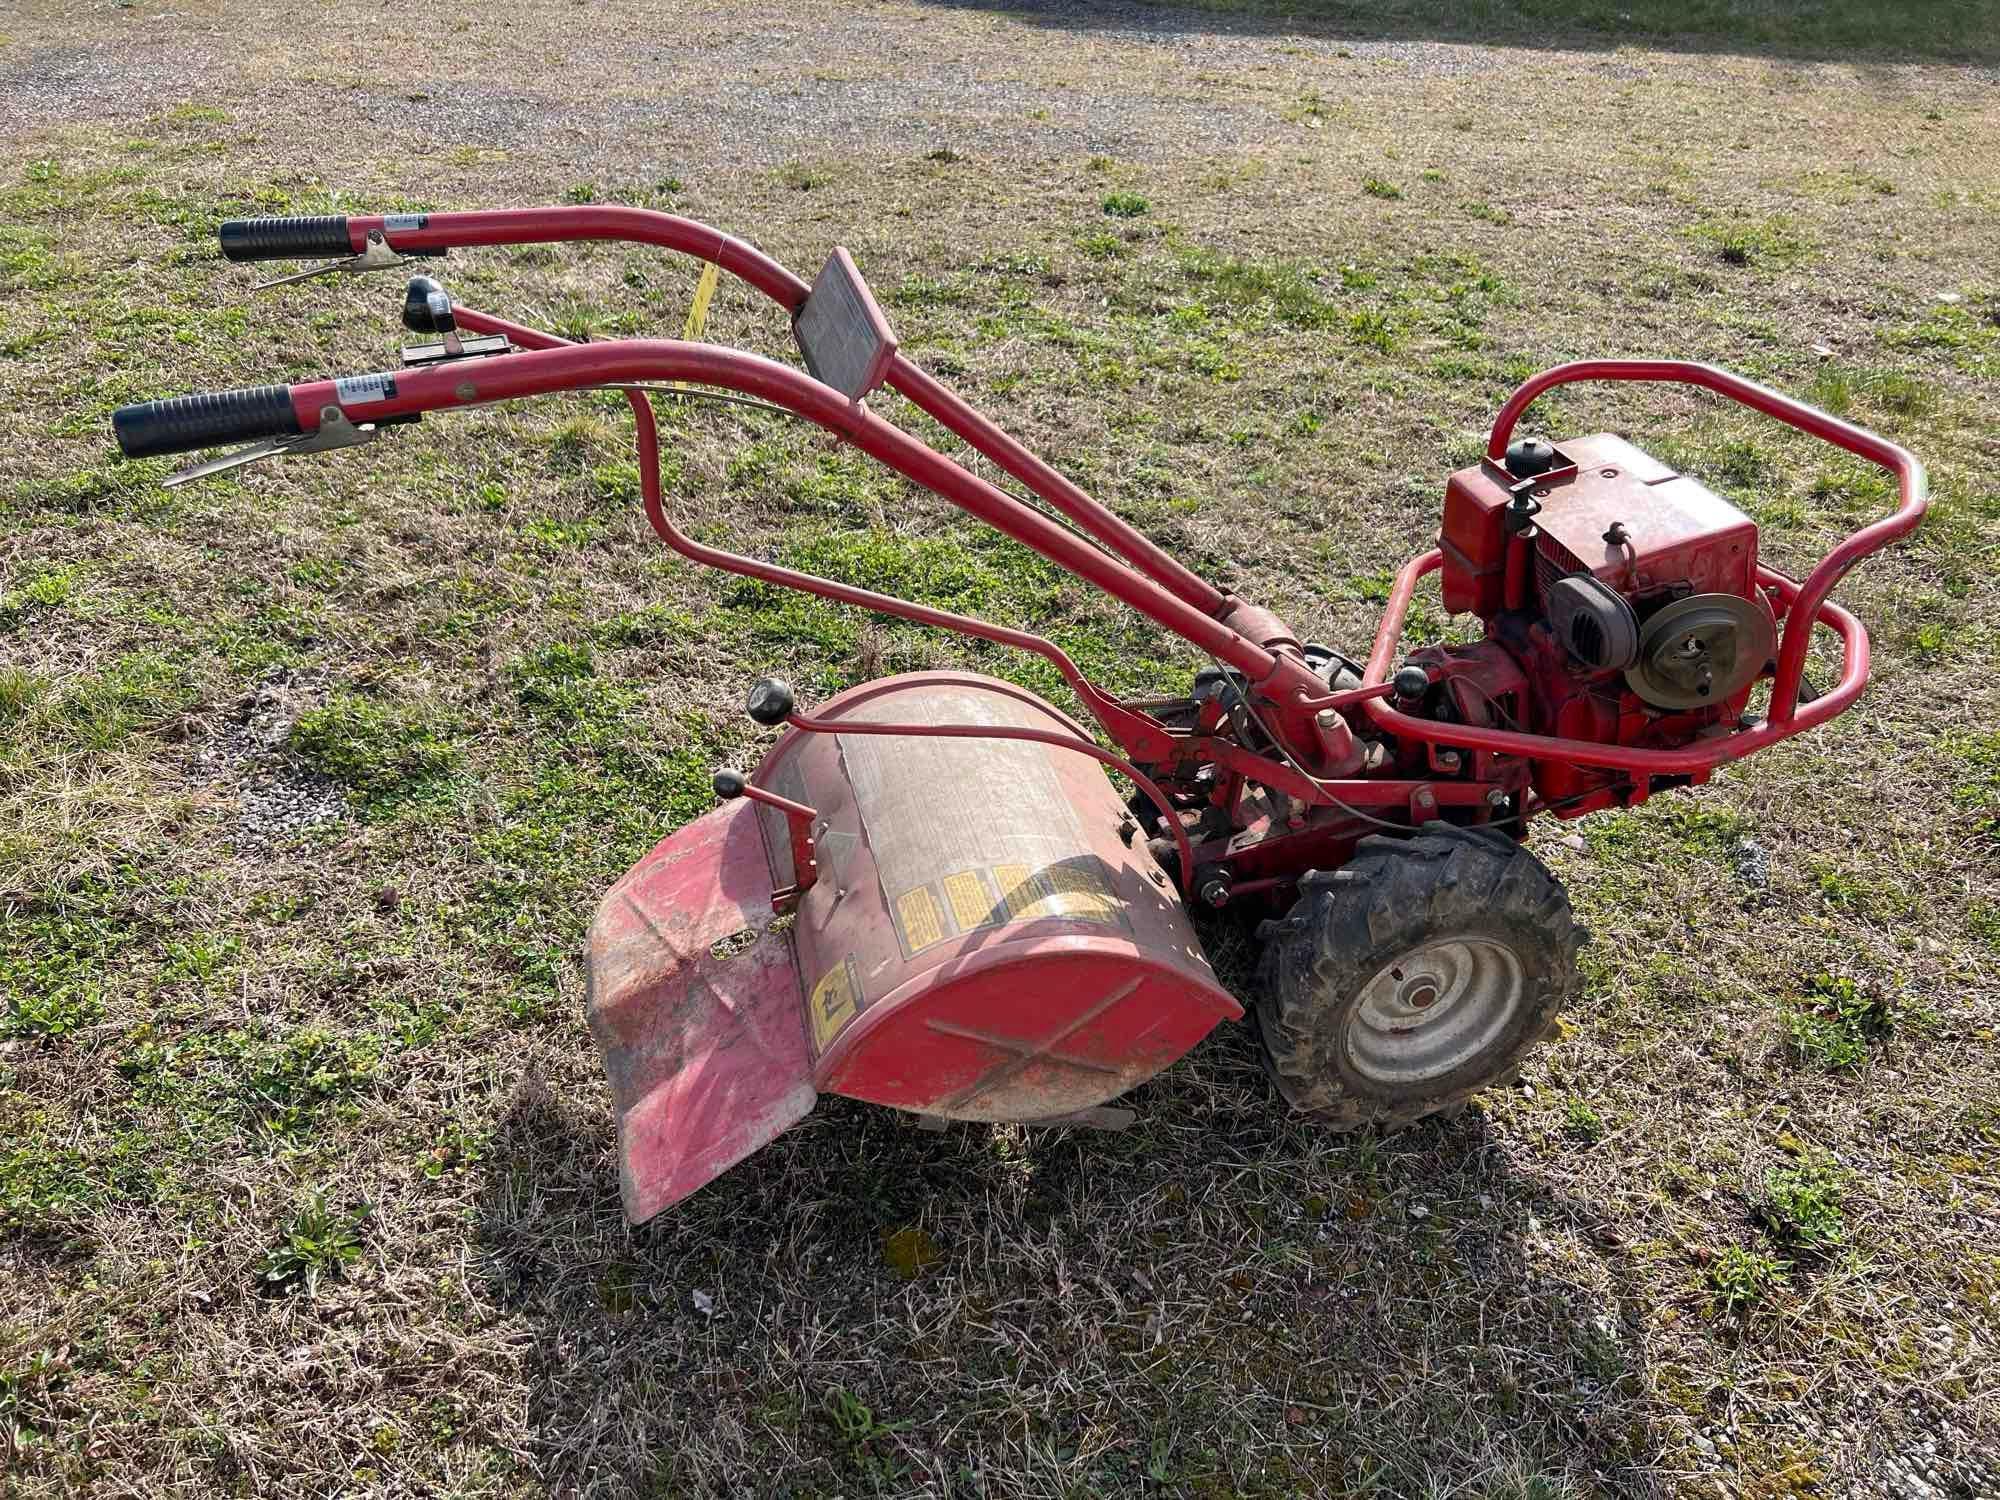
(377, 257)
(335, 431)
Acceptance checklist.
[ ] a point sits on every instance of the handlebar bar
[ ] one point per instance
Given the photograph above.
(306, 238)
(186, 423)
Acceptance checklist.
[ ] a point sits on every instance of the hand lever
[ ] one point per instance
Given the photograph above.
(335, 431)
(376, 257)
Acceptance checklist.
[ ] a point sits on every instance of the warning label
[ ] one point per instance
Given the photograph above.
(968, 900)
(835, 1000)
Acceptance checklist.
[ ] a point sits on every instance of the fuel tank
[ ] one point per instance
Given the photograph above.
(986, 939)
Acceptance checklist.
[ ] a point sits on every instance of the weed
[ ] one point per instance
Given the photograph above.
(1375, 187)
(1740, 1278)
(1832, 1024)
(559, 682)
(1746, 242)
(1125, 205)
(21, 692)
(1285, 292)
(136, 695)
(1802, 1205)
(1581, 1122)
(1832, 390)
(24, 1392)
(1375, 329)
(319, 1243)
(50, 1013)
(860, 1433)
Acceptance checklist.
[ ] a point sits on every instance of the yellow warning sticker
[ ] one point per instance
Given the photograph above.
(1083, 892)
(835, 1000)
(918, 921)
(1059, 891)
(1022, 889)
(972, 906)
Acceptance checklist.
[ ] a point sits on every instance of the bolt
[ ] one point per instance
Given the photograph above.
(1325, 717)
(1496, 798)
(1448, 760)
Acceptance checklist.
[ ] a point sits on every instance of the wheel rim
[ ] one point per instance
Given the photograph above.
(1432, 1011)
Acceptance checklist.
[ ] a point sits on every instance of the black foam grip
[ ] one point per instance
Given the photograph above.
(309, 238)
(189, 422)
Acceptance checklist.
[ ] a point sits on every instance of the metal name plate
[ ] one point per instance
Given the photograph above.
(846, 341)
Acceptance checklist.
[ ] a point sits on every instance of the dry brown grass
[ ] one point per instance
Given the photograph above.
(207, 1013)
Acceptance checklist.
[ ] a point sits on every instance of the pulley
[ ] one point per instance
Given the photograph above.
(1701, 650)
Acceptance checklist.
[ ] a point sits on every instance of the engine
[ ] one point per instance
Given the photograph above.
(1620, 601)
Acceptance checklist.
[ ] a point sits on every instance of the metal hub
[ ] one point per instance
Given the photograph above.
(1432, 1011)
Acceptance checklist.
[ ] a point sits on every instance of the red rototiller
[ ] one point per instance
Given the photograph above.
(929, 894)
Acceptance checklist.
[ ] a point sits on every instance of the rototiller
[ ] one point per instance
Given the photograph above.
(929, 894)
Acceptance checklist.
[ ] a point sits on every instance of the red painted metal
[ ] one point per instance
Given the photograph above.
(518, 226)
(799, 820)
(1144, 735)
(1057, 739)
(1127, 541)
(705, 1047)
(984, 942)
(1282, 682)
(595, 221)
(643, 361)
(1702, 756)
(1914, 497)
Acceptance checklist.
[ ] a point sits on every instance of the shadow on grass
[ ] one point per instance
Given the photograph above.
(1220, 1300)
(1860, 31)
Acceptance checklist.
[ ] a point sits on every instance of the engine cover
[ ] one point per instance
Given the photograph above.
(1607, 509)
(1676, 532)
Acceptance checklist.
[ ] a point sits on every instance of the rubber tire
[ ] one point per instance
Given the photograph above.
(1395, 894)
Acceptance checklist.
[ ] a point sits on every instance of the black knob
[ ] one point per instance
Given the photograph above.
(1527, 457)
(427, 306)
(729, 785)
(771, 700)
(1410, 683)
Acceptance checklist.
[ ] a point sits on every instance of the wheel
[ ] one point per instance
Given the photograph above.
(1415, 976)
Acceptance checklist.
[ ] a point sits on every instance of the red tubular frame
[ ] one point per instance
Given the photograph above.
(1805, 604)
(519, 226)
(1140, 574)
(1108, 710)
(624, 362)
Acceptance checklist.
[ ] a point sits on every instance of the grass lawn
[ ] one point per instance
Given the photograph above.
(310, 777)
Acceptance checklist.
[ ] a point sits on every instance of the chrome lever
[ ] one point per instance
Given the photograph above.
(335, 431)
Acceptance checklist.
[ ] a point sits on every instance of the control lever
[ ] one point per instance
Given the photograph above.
(335, 431)
(376, 257)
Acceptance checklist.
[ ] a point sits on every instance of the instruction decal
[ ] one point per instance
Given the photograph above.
(360, 390)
